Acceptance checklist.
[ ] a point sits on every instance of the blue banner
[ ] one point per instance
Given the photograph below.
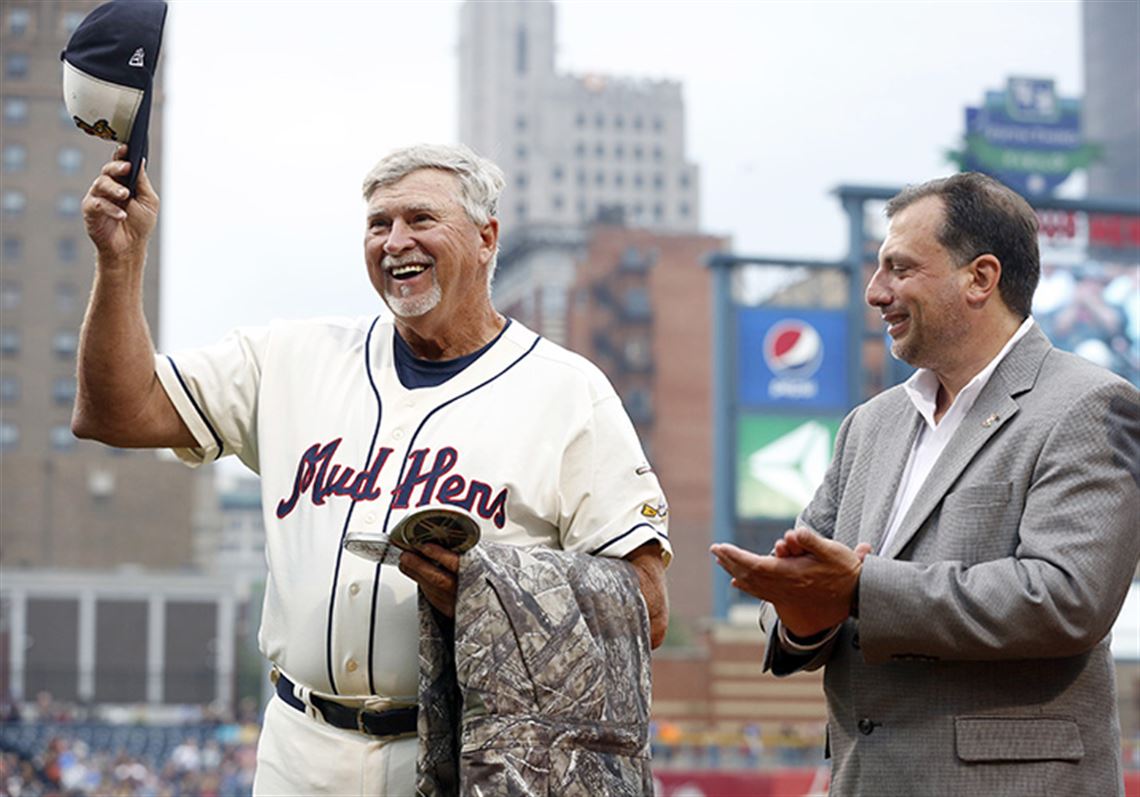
(1026, 136)
(792, 358)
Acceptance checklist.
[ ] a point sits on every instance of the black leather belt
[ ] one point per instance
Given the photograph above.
(375, 723)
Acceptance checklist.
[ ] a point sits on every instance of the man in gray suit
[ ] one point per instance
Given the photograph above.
(960, 568)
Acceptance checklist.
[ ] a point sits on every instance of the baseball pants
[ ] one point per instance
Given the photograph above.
(302, 755)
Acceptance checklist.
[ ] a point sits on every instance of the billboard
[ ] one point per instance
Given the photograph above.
(1088, 299)
(1026, 136)
(780, 461)
(791, 358)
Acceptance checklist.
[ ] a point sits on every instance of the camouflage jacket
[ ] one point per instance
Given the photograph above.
(542, 684)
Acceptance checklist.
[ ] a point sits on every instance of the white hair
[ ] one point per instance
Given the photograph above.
(480, 180)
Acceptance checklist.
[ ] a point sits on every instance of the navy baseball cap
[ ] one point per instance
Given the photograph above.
(108, 73)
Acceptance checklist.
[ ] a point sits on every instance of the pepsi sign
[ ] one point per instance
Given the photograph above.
(793, 352)
(792, 358)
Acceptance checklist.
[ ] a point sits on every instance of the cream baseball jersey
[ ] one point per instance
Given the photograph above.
(530, 438)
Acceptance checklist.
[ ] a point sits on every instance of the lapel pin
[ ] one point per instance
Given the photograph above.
(990, 421)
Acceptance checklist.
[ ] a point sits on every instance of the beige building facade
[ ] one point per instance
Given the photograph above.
(64, 502)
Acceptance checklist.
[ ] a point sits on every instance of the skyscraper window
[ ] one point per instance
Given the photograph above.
(11, 294)
(15, 158)
(14, 203)
(16, 66)
(64, 344)
(67, 250)
(66, 298)
(63, 390)
(67, 206)
(15, 110)
(19, 19)
(9, 436)
(61, 438)
(71, 20)
(70, 160)
(9, 390)
(520, 50)
(9, 341)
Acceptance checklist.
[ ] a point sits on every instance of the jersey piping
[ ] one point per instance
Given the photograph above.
(625, 534)
(344, 530)
(400, 479)
(348, 516)
(197, 409)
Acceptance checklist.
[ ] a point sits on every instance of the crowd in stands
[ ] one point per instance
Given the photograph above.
(49, 749)
(58, 750)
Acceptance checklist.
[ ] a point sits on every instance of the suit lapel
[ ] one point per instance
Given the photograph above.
(901, 425)
(995, 406)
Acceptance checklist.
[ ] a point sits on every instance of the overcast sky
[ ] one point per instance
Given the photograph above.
(275, 111)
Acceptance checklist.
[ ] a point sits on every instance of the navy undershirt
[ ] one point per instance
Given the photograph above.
(414, 372)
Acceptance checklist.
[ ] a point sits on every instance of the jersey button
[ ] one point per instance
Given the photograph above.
(398, 434)
(353, 589)
(351, 665)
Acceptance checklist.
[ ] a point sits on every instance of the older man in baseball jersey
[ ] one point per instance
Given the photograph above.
(357, 422)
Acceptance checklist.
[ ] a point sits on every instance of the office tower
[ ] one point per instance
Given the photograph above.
(66, 503)
(1111, 30)
(575, 148)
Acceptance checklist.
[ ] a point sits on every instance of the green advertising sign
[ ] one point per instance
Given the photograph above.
(780, 461)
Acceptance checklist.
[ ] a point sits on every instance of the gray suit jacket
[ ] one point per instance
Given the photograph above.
(980, 661)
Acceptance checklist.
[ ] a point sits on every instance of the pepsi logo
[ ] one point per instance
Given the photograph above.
(793, 349)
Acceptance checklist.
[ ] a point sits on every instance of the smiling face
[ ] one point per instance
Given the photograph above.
(920, 291)
(426, 258)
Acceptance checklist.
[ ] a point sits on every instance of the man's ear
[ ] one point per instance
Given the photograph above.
(489, 234)
(984, 274)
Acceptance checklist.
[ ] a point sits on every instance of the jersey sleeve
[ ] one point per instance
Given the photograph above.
(611, 500)
(216, 391)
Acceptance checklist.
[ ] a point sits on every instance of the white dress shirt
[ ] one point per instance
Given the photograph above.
(934, 436)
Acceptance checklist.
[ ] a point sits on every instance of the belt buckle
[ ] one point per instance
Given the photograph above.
(360, 722)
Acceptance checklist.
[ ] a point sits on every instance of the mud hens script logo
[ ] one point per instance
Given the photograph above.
(322, 478)
(793, 351)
